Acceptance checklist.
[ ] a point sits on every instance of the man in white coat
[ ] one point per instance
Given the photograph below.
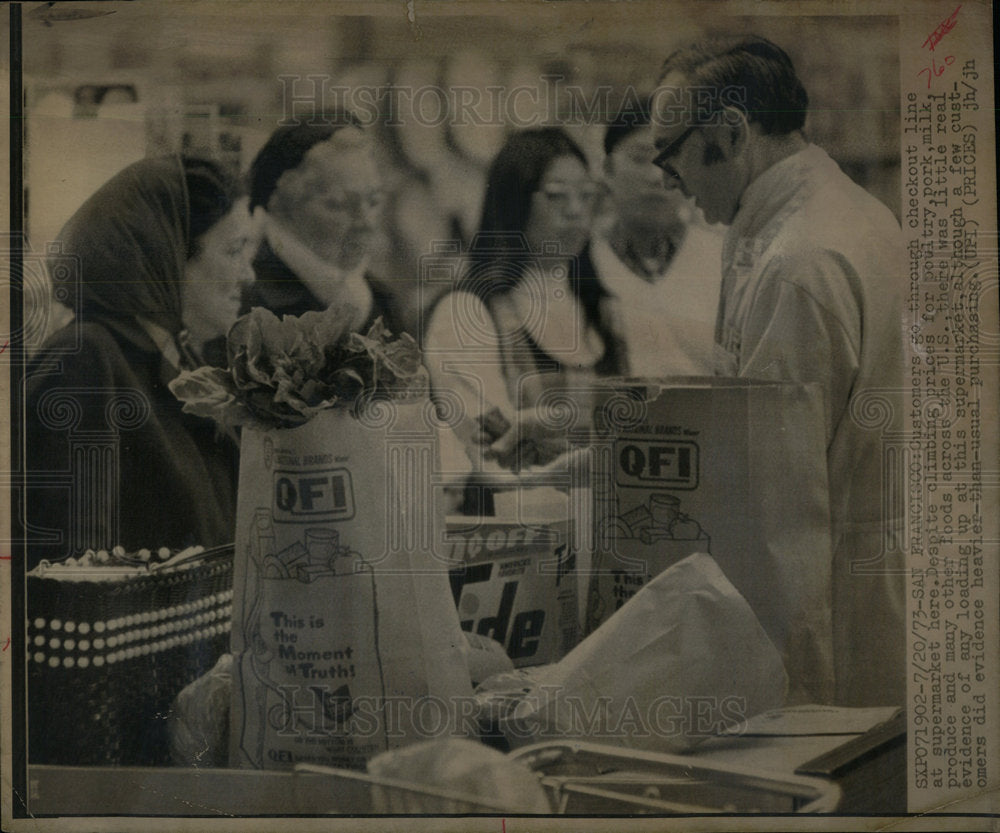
(812, 291)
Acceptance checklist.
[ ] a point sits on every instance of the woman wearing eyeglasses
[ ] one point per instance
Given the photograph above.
(318, 194)
(529, 326)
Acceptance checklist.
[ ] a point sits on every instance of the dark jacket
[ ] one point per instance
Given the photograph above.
(108, 447)
(280, 290)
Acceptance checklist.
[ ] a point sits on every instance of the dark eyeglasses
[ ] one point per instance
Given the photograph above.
(560, 194)
(661, 160)
(354, 202)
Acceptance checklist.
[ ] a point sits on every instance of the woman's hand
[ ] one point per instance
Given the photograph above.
(529, 441)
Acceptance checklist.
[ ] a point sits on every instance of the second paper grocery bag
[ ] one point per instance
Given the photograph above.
(346, 639)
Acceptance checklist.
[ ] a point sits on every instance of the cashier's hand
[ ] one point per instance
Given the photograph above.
(528, 441)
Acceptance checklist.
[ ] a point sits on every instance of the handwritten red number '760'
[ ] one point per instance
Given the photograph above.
(934, 70)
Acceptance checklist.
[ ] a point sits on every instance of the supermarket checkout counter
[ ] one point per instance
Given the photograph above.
(810, 759)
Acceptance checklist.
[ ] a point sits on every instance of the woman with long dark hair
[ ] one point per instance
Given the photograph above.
(528, 325)
(162, 252)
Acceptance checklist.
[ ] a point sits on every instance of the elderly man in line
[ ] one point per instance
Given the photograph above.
(320, 196)
(811, 292)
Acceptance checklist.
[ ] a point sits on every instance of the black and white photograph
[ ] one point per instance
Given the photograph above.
(526, 415)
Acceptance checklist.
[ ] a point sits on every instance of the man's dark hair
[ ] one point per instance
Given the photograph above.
(749, 73)
(287, 147)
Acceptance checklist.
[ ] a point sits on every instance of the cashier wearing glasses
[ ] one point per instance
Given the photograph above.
(811, 292)
(317, 191)
(528, 317)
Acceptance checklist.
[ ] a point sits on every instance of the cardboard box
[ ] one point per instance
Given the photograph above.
(647, 540)
(732, 467)
(517, 584)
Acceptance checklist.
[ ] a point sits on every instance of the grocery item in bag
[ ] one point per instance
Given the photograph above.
(488, 777)
(684, 659)
(346, 639)
(198, 721)
(515, 582)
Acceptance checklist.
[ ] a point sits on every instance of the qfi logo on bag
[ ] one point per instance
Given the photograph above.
(319, 495)
(657, 463)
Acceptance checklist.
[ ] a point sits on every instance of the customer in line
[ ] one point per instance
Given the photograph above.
(528, 323)
(163, 251)
(319, 194)
(657, 256)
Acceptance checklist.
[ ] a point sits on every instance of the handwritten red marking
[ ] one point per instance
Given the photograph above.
(6, 344)
(503, 822)
(934, 70)
(5, 558)
(934, 38)
(6, 644)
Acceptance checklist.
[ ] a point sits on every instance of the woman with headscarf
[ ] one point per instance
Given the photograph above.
(162, 253)
(529, 325)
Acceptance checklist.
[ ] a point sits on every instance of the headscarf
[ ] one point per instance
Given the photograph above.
(131, 240)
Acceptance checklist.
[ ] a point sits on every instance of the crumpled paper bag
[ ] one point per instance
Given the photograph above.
(198, 726)
(684, 659)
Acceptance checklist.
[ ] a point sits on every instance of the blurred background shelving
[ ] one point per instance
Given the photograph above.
(214, 78)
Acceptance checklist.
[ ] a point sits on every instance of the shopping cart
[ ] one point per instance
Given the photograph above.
(592, 779)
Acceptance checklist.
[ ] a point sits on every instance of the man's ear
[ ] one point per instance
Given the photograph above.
(737, 132)
(728, 138)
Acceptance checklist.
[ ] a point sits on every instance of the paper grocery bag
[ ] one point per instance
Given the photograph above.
(346, 640)
(684, 659)
(732, 467)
